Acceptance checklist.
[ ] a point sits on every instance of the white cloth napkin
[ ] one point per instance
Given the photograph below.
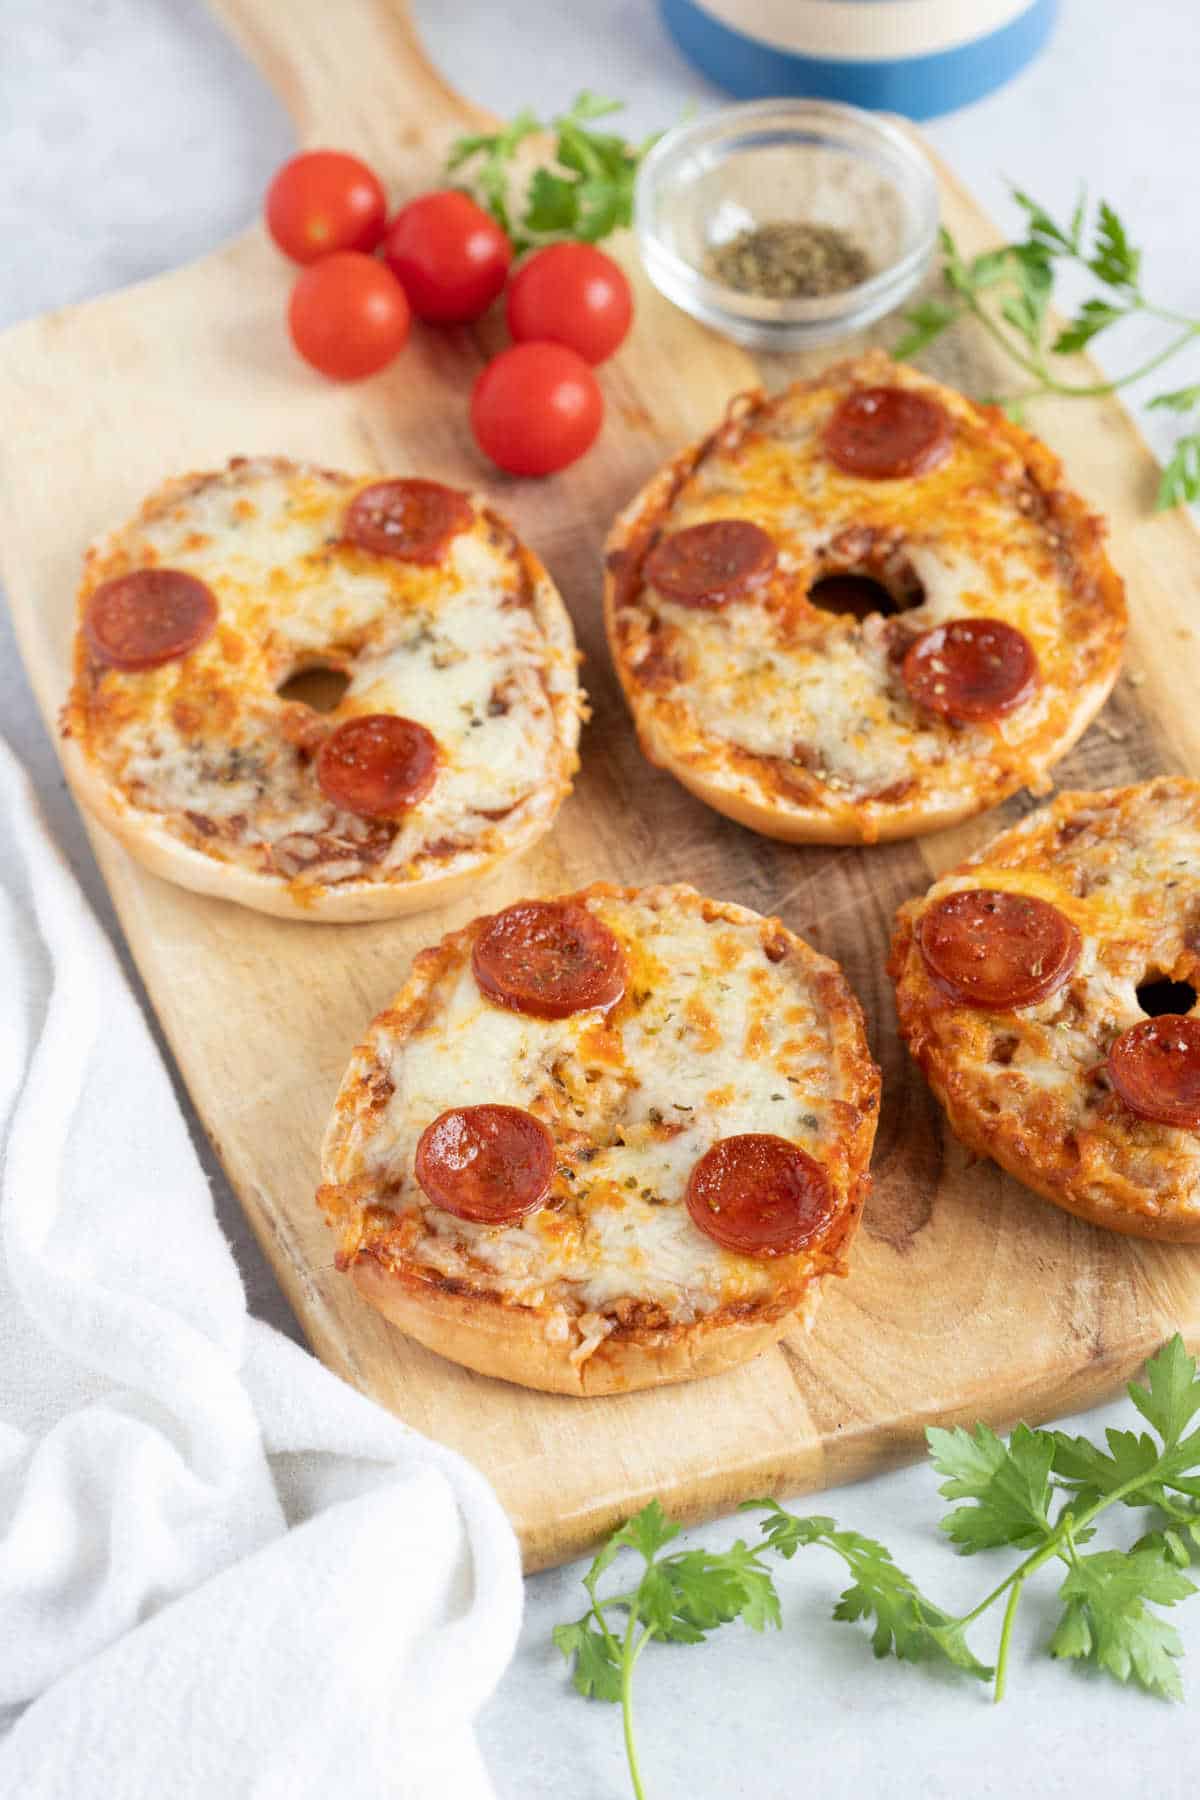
(222, 1572)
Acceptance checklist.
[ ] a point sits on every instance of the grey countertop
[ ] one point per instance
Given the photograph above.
(98, 192)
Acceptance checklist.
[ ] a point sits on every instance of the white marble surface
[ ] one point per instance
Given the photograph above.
(132, 137)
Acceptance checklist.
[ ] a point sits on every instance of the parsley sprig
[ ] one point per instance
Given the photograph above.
(1009, 291)
(585, 192)
(1041, 1492)
(680, 1598)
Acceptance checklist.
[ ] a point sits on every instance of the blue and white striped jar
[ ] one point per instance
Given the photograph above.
(918, 57)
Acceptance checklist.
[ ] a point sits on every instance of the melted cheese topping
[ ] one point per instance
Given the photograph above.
(207, 744)
(770, 695)
(1030, 1085)
(712, 1038)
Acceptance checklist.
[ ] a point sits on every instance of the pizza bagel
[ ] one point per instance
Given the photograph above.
(1048, 988)
(862, 609)
(451, 746)
(605, 1141)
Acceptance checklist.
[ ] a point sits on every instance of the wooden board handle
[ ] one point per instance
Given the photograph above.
(354, 77)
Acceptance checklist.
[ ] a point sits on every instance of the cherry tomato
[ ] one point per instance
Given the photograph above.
(535, 408)
(325, 201)
(348, 316)
(571, 294)
(450, 255)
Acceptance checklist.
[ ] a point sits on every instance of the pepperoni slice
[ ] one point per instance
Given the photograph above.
(759, 1195)
(711, 564)
(412, 520)
(996, 950)
(970, 669)
(1155, 1068)
(489, 1164)
(549, 958)
(883, 433)
(148, 617)
(377, 765)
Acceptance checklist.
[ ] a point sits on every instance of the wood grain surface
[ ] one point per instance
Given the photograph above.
(968, 1296)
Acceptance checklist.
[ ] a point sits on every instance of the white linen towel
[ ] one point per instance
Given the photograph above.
(222, 1572)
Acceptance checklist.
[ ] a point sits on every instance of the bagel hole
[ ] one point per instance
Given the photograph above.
(879, 584)
(320, 687)
(1165, 996)
(852, 596)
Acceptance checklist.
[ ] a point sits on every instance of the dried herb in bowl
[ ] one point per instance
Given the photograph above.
(789, 260)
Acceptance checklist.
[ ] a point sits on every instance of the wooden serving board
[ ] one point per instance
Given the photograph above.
(968, 1296)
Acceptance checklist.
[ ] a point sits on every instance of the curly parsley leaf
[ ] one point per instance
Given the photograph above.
(1093, 1474)
(1179, 1542)
(786, 1532)
(1114, 261)
(680, 1598)
(1178, 400)
(492, 155)
(647, 1532)
(601, 207)
(698, 1590)
(1034, 279)
(956, 272)
(1106, 1622)
(552, 207)
(907, 1625)
(583, 191)
(1136, 1470)
(1043, 230)
(1008, 290)
(1171, 1398)
(589, 105)
(1181, 476)
(990, 267)
(926, 321)
(597, 1670)
(1009, 1490)
(1007, 1485)
(1093, 317)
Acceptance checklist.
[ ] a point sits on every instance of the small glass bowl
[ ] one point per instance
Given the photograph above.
(772, 160)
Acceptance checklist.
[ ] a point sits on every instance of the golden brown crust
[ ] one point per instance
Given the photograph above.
(510, 1343)
(183, 847)
(536, 1345)
(347, 903)
(1029, 1088)
(787, 798)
